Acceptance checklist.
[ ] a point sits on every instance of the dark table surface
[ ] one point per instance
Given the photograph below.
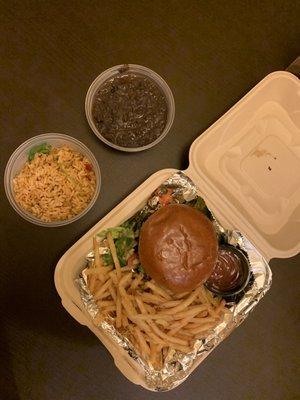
(211, 53)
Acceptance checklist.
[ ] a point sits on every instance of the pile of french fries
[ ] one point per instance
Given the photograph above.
(156, 321)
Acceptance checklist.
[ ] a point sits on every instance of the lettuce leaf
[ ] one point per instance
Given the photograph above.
(124, 239)
(43, 148)
(116, 232)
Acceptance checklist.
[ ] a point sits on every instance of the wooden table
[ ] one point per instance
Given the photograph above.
(210, 53)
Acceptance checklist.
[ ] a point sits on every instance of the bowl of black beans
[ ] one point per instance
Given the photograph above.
(130, 107)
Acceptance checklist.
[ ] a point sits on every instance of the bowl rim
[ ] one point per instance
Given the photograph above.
(108, 73)
(23, 147)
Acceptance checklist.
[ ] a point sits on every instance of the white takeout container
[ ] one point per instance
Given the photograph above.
(247, 168)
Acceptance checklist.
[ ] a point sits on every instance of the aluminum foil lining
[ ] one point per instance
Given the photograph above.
(179, 366)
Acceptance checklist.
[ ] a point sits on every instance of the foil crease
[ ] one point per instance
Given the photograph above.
(179, 366)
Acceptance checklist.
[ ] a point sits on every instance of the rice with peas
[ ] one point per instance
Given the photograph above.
(55, 186)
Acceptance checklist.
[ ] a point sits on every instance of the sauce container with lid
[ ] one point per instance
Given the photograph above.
(247, 168)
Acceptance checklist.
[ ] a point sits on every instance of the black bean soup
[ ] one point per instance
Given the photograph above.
(130, 110)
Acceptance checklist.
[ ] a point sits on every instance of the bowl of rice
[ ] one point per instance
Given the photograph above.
(52, 180)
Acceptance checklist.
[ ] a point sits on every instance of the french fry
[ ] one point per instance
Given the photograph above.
(153, 350)
(143, 344)
(186, 334)
(113, 250)
(151, 317)
(108, 309)
(97, 259)
(171, 303)
(192, 320)
(96, 264)
(158, 290)
(125, 322)
(122, 292)
(193, 310)
(131, 312)
(183, 349)
(112, 292)
(155, 339)
(119, 312)
(203, 314)
(113, 276)
(220, 307)
(179, 325)
(150, 309)
(185, 303)
(125, 280)
(163, 323)
(152, 298)
(141, 305)
(169, 353)
(181, 295)
(92, 283)
(93, 271)
(102, 290)
(137, 280)
(201, 328)
(103, 295)
(159, 360)
(203, 296)
(165, 336)
(105, 303)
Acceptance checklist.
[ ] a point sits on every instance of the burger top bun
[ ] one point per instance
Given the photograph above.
(178, 247)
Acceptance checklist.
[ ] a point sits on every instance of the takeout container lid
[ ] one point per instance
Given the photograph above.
(247, 166)
(262, 203)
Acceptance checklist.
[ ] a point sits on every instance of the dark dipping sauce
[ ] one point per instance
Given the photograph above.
(231, 272)
(130, 110)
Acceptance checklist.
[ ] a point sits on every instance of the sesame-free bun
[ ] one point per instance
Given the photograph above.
(178, 247)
